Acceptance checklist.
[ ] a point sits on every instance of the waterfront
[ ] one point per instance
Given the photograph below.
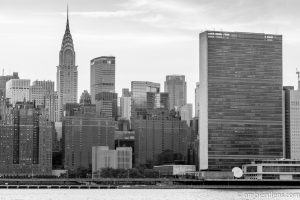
(158, 194)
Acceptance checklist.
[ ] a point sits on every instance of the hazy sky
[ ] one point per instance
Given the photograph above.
(149, 38)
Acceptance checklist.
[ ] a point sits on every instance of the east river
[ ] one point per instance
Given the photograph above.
(147, 194)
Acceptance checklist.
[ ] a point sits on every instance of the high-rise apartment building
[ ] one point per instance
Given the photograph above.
(160, 140)
(17, 90)
(3, 80)
(103, 74)
(240, 99)
(26, 142)
(51, 106)
(291, 116)
(67, 74)
(80, 132)
(175, 85)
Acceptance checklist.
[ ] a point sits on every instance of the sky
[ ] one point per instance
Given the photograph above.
(149, 38)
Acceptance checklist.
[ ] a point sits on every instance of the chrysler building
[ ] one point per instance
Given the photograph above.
(67, 74)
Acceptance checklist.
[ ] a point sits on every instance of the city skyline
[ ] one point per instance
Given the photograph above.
(144, 36)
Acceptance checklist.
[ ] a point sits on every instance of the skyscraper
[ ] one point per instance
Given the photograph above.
(51, 106)
(175, 85)
(67, 75)
(102, 75)
(107, 104)
(39, 90)
(291, 113)
(17, 90)
(125, 107)
(240, 98)
(139, 91)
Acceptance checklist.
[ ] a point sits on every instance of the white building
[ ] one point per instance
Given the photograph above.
(186, 113)
(103, 157)
(292, 122)
(174, 170)
(272, 169)
(125, 107)
(17, 90)
(39, 90)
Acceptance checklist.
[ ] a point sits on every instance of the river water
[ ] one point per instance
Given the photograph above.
(146, 194)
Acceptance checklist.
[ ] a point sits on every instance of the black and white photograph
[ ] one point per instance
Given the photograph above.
(149, 99)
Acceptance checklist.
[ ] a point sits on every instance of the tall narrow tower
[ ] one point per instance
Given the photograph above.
(67, 74)
(298, 73)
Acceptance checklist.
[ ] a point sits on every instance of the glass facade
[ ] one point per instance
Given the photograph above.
(175, 85)
(103, 73)
(139, 90)
(243, 80)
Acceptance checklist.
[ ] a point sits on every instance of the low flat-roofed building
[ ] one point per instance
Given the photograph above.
(273, 169)
(174, 170)
(103, 157)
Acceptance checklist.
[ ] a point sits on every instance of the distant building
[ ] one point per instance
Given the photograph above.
(157, 100)
(46, 85)
(103, 74)
(3, 80)
(139, 91)
(51, 106)
(291, 99)
(126, 92)
(125, 107)
(67, 74)
(85, 98)
(82, 130)
(26, 142)
(240, 99)
(160, 139)
(39, 90)
(121, 158)
(174, 170)
(197, 99)
(107, 104)
(272, 170)
(186, 113)
(17, 90)
(175, 85)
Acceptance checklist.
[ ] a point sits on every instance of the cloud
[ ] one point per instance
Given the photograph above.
(108, 14)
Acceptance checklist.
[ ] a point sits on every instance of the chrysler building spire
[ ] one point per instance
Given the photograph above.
(67, 74)
(67, 27)
(67, 53)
